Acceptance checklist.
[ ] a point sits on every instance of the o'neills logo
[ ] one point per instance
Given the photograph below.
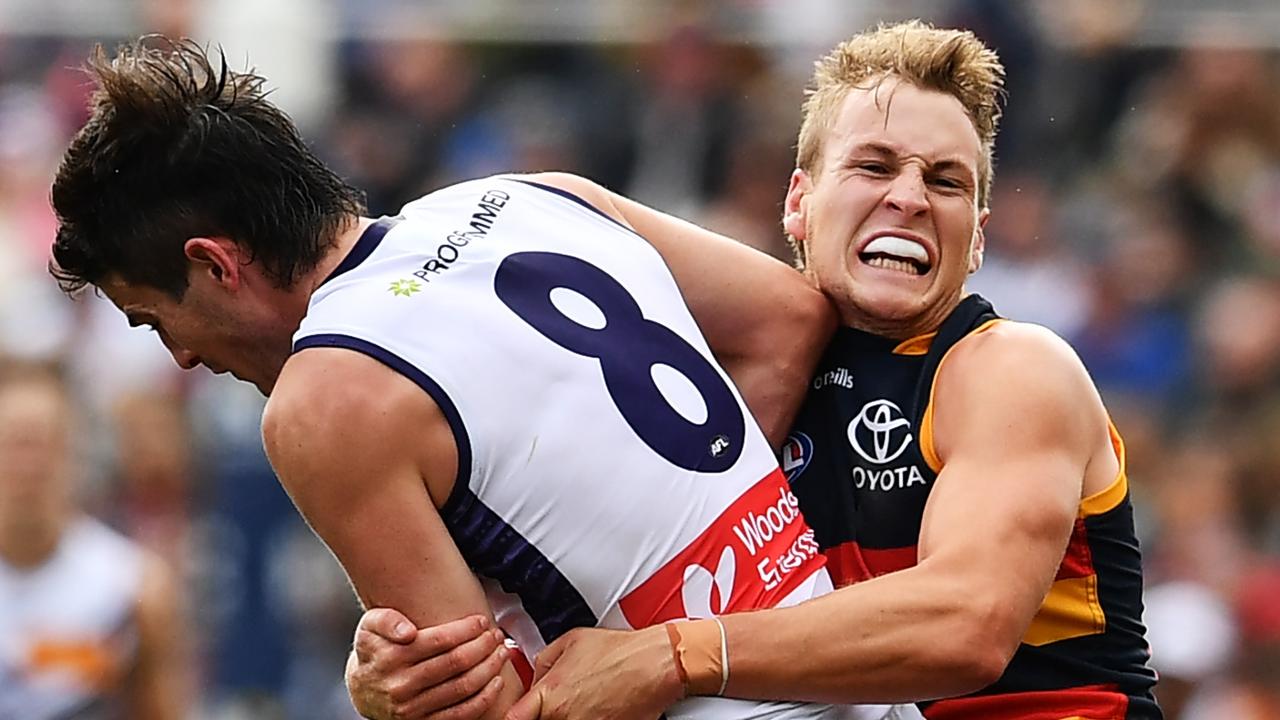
(840, 377)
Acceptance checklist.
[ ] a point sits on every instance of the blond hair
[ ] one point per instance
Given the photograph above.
(955, 62)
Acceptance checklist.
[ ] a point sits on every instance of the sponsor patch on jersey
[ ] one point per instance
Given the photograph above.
(880, 432)
(404, 287)
(796, 453)
(755, 554)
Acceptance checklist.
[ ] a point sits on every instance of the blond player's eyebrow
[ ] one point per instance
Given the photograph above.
(945, 164)
(874, 147)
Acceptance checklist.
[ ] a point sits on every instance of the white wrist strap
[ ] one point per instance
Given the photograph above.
(724, 657)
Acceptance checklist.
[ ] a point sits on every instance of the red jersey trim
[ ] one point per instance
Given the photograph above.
(1090, 702)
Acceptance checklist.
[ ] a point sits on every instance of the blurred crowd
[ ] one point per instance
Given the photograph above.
(1136, 211)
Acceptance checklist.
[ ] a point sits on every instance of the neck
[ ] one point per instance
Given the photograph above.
(348, 234)
(289, 305)
(897, 328)
(29, 543)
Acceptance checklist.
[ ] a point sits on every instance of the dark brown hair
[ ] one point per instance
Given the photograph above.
(178, 146)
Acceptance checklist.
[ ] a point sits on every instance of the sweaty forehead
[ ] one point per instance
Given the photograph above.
(917, 122)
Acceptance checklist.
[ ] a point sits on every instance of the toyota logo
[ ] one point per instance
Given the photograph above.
(877, 425)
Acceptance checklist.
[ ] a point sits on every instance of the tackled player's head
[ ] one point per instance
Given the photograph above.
(180, 146)
(183, 175)
(893, 172)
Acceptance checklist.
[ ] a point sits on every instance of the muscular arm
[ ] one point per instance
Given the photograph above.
(1017, 425)
(994, 531)
(766, 324)
(362, 460)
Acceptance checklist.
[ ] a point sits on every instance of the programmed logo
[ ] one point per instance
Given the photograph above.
(880, 433)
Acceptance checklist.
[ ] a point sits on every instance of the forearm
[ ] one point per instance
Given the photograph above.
(903, 637)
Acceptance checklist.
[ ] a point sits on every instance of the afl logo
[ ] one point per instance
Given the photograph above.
(796, 454)
(880, 433)
(719, 445)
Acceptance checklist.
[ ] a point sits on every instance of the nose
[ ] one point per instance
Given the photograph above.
(186, 359)
(906, 194)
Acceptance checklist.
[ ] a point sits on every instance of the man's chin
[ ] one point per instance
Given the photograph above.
(888, 302)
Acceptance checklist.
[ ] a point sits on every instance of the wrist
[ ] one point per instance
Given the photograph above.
(669, 680)
(700, 655)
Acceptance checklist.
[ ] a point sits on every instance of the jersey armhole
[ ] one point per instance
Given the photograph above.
(1096, 504)
(927, 448)
(1109, 498)
(428, 385)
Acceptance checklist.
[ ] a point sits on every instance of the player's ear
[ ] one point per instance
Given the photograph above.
(215, 258)
(795, 209)
(979, 241)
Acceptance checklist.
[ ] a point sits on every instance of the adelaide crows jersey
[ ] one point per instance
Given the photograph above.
(608, 472)
(861, 461)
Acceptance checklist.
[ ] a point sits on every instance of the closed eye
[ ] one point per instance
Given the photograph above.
(946, 182)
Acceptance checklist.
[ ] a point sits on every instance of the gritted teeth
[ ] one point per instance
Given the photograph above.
(906, 266)
(896, 253)
(897, 247)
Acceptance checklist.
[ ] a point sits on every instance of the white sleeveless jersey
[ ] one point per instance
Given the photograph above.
(68, 633)
(609, 473)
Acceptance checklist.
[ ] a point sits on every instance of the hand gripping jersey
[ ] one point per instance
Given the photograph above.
(608, 472)
(68, 628)
(862, 462)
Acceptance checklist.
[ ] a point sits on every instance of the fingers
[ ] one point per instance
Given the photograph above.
(461, 697)
(474, 708)
(453, 676)
(372, 646)
(388, 623)
(528, 707)
(550, 654)
(439, 667)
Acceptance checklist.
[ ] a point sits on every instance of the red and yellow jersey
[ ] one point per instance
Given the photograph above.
(862, 464)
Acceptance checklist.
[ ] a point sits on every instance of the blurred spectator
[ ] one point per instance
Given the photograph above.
(750, 205)
(684, 124)
(1027, 271)
(152, 489)
(1205, 133)
(410, 103)
(1239, 334)
(1193, 640)
(1138, 339)
(88, 626)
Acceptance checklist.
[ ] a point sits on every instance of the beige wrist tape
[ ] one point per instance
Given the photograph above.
(701, 655)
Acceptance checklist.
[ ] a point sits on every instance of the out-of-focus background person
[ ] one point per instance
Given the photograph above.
(1137, 199)
(89, 626)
